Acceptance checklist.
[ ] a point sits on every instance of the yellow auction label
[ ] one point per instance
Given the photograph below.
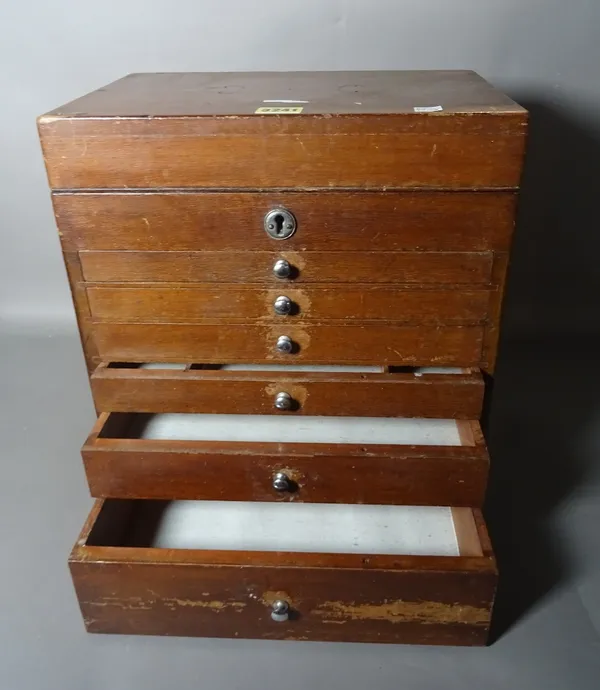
(278, 110)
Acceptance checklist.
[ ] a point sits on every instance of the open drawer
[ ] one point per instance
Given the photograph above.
(289, 390)
(306, 572)
(270, 458)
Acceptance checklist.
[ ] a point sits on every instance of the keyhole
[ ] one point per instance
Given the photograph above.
(278, 220)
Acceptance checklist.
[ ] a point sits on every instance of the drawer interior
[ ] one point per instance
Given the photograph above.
(362, 573)
(274, 429)
(302, 528)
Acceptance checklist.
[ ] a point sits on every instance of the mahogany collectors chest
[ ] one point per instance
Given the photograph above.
(288, 287)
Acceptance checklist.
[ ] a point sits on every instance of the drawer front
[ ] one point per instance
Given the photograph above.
(451, 268)
(332, 597)
(121, 463)
(347, 344)
(176, 304)
(326, 221)
(474, 150)
(122, 389)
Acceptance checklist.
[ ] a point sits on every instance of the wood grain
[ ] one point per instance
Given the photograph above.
(471, 151)
(452, 396)
(451, 268)
(467, 533)
(167, 94)
(82, 310)
(153, 303)
(327, 221)
(349, 344)
(121, 467)
(492, 334)
(337, 597)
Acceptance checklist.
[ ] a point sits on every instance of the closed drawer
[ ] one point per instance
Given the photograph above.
(185, 304)
(314, 344)
(273, 458)
(337, 573)
(429, 268)
(288, 390)
(326, 221)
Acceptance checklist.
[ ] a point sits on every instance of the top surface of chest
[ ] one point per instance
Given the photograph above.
(317, 93)
(374, 130)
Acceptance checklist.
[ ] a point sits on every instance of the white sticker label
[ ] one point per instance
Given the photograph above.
(279, 110)
(428, 109)
(283, 100)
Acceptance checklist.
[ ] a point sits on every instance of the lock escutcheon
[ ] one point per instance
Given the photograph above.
(280, 224)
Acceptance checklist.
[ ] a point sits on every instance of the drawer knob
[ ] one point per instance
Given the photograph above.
(281, 482)
(280, 610)
(280, 224)
(283, 305)
(282, 268)
(284, 401)
(284, 345)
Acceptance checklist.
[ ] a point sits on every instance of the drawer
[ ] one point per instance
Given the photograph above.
(451, 268)
(295, 571)
(282, 458)
(315, 344)
(326, 221)
(235, 304)
(288, 390)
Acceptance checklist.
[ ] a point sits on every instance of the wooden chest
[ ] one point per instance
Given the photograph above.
(287, 286)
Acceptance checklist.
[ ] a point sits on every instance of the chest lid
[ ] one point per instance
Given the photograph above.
(442, 129)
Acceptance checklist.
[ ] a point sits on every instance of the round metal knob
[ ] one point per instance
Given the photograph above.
(283, 401)
(281, 482)
(284, 345)
(280, 610)
(283, 305)
(282, 268)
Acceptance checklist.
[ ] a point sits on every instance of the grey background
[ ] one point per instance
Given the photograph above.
(543, 507)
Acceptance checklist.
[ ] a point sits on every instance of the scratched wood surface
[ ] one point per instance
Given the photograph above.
(335, 597)
(229, 93)
(151, 303)
(446, 396)
(314, 344)
(474, 151)
(327, 221)
(121, 467)
(256, 267)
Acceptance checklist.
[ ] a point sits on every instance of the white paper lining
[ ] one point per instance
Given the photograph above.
(297, 429)
(310, 368)
(302, 527)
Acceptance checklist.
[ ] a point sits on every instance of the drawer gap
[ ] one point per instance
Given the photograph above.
(275, 429)
(285, 368)
(175, 366)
